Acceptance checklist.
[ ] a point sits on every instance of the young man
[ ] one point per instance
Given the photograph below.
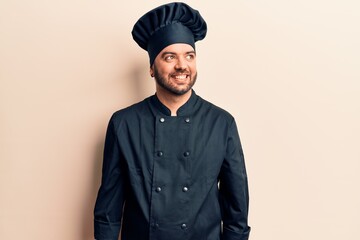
(173, 165)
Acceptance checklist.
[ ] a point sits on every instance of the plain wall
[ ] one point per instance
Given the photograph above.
(289, 71)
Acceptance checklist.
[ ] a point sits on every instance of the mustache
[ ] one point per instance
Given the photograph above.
(181, 71)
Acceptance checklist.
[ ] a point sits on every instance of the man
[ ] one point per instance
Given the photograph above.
(173, 165)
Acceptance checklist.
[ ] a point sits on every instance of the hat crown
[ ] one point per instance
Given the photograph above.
(146, 30)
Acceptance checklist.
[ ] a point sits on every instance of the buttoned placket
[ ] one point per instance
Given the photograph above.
(167, 129)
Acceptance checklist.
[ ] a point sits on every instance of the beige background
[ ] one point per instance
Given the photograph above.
(287, 70)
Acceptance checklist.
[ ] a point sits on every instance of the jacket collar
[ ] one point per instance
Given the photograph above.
(184, 110)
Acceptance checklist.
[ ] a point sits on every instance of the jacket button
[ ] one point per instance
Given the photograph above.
(160, 153)
(186, 154)
(162, 119)
(158, 189)
(187, 120)
(185, 189)
(183, 226)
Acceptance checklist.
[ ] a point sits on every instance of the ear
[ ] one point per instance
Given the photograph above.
(152, 71)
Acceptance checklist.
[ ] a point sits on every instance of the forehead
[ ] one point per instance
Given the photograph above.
(178, 48)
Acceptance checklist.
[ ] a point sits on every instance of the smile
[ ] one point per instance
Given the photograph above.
(180, 77)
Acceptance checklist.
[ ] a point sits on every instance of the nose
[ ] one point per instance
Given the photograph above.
(181, 64)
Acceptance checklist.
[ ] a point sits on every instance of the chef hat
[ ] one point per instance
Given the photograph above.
(168, 24)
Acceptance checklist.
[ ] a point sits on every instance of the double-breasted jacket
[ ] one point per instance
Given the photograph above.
(172, 177)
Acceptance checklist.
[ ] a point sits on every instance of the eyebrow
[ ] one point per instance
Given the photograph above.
(173, 53)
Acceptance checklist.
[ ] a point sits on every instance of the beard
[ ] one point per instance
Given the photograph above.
(171, 87)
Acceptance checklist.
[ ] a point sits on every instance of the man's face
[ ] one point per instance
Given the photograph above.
(174, 68)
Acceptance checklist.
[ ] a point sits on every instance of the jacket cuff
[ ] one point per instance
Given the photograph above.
(106, 230)
(231, 235)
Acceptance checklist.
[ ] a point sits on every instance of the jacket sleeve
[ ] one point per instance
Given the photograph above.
(111, 195)
(234, 195)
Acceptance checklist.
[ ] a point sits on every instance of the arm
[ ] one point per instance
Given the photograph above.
(111, 197)
(234, 196)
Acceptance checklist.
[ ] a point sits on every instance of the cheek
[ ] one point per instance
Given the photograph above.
(192, 64)
(193, 68)
(166, 69)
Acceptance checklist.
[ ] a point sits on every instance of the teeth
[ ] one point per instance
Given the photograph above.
(180, 76)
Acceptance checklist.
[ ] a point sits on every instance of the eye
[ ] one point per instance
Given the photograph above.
(168, 58)
(190, 56)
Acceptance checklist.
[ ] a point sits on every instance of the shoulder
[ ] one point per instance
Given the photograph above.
(213, 111)
(130, 114)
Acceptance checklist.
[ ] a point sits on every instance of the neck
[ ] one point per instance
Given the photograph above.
(171, 101)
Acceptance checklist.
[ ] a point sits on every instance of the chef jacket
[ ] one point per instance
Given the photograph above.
(172, 177)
